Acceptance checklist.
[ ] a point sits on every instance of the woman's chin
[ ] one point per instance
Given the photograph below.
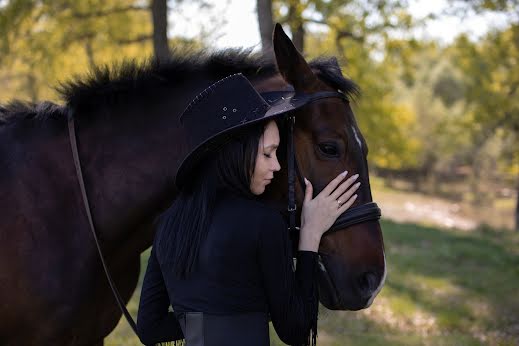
(258, 190)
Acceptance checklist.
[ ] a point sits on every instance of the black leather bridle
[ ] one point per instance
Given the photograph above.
(360, 214)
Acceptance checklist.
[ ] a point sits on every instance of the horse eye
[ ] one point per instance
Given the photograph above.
(329, 149)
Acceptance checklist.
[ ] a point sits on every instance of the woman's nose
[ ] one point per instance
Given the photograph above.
(277, 166)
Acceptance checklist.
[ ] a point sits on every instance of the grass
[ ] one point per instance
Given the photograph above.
(444, 287)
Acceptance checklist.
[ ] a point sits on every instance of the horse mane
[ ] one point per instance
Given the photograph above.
(17, 111)
(122, 82)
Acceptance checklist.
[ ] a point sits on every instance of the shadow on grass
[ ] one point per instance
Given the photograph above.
(464, 282)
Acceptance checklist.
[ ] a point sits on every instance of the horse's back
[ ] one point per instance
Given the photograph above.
(35, 178)
(36, 229)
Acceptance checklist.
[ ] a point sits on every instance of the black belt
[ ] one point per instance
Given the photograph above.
(202, 329)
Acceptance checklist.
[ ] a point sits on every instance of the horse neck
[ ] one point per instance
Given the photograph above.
(129, 156)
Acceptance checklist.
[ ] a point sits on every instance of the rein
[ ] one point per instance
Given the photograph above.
(367, 212)
(77, 163)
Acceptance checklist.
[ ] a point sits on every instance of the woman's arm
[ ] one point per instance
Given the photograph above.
(154, 323)
(292, 296)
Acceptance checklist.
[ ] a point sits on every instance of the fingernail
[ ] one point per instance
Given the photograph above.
(355, 196)
(344, 173)
(355, 176)
(358, 184)
(306, 181)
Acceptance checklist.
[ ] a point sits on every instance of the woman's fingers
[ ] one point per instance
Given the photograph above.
(347, 205)
(343, 187)
(333, 184)
(346, 195)
(308, 190)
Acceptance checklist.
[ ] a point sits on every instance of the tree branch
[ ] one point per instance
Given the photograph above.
(315, 21)
(340, 33)
(348, 34)
(138, 39)
(9, 77)
(111, 11)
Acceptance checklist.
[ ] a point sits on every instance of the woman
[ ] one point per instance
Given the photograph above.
(222, 258)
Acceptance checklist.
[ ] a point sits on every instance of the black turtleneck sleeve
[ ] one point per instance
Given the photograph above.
(155, 323)
(292, 296)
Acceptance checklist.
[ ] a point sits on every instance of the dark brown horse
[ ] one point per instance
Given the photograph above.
(52, 287)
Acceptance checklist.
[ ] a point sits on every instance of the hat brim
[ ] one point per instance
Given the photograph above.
(281, 103)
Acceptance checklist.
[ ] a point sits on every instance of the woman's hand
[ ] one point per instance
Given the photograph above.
(319, 214)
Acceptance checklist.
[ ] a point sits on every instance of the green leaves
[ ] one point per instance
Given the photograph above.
(45, 40)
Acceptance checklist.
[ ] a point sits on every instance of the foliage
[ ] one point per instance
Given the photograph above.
(45, 40)
(386, 124)
(359, 32)
(508, 7)
(368, 22)
(491, 81)
(437, 110)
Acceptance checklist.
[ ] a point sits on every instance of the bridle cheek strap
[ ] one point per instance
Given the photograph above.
(360, 214)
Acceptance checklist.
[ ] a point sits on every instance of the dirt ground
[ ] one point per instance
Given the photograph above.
(402, 206)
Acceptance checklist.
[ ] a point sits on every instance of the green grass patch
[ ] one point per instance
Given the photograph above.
(444, 287)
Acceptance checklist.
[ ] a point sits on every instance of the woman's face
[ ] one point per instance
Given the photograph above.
(266, 160)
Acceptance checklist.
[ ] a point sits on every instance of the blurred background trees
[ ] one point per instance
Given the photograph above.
(45, 41)
(432, 113)
(441, 118)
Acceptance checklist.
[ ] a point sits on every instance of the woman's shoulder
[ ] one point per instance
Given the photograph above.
(251, 208)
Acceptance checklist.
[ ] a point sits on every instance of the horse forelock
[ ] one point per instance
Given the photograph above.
(329, 71)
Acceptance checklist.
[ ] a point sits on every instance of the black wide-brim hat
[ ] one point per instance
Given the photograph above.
(224, 108)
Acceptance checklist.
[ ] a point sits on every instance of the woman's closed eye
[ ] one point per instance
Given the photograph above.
(269, 155)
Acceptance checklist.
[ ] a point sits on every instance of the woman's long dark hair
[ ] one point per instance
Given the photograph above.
(182, 227)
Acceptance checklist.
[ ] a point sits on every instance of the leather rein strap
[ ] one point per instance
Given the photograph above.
(77, 163)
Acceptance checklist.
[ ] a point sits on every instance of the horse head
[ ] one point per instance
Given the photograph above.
(328, 141)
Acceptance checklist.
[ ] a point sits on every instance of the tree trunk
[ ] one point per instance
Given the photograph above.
(89, 50)
(298, 37)
(295, 21)
(517, 208)
(266, 24)
(159, 12)
(32, 86)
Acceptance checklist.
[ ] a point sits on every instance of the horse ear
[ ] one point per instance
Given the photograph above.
(291, 64)
(335, 62)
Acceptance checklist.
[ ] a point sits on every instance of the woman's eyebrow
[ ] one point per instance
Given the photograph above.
(271, 146)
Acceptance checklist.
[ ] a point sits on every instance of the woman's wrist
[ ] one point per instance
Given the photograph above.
(309, 240)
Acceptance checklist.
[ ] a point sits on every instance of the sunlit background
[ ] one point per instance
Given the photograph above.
(439, 110)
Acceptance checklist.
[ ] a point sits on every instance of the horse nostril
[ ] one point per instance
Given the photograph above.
(368, 283)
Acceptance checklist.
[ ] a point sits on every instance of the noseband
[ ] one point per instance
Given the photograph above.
(356, 215)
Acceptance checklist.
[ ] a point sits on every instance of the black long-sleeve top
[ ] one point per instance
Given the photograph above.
(244, 265)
